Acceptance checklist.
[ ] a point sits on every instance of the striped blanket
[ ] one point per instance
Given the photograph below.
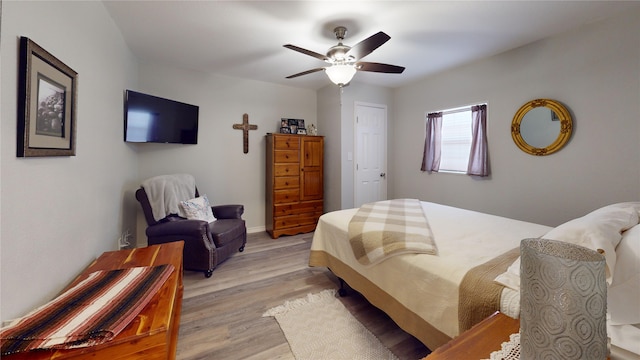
(90, 313)
(387, 228)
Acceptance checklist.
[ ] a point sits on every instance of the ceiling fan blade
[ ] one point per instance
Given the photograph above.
(366, 46)
(307, 52)
(305, 73)
(378, 67)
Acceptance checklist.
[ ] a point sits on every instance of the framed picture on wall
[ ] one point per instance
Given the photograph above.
(47, 93)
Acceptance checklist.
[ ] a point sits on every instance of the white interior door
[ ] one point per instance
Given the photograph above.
(370, 153)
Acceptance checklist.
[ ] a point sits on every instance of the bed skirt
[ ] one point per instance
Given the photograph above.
(405, 318)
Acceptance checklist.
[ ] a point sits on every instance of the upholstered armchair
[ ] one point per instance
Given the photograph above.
(206, 244)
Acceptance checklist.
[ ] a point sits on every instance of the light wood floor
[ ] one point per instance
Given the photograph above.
(222, 315)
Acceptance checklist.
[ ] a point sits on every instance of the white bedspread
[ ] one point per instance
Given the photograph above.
(429, 285)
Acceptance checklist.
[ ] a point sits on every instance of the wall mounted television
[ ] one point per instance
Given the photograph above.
(152, 119)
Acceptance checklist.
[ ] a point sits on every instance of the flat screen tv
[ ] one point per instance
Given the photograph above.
(152, 119)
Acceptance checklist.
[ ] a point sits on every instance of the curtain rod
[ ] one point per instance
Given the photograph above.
(457, 110)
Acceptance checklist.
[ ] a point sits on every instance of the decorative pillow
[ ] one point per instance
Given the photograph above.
(198, 209)
(624, 293)
(600, 229)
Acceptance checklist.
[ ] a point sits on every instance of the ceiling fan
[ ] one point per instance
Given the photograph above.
(344, 60)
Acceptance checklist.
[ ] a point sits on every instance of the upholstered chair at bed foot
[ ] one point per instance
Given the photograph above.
(206, 244)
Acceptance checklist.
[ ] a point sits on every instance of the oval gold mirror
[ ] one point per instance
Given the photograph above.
(541, 127)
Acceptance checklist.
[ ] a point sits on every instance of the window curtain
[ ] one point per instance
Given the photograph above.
(431, 153)
(478, 164)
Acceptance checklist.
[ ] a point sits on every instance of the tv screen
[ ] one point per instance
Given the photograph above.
(149, 118)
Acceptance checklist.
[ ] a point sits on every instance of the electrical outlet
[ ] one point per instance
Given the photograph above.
(123, 240)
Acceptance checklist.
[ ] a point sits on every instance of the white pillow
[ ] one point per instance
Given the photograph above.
(623, 296)
(198, 209)
(600, 229)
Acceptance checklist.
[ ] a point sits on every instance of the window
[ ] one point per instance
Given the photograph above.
(456, 140)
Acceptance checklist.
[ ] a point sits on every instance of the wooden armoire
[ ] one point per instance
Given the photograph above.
(294, 183)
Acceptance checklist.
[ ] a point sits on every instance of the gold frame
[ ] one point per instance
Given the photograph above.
(566, 126)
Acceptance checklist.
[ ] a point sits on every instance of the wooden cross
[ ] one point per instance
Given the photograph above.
(245, 127)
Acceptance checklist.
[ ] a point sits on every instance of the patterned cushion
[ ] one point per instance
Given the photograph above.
(198, 209)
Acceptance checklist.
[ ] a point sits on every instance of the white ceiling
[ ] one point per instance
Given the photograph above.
(244, 38)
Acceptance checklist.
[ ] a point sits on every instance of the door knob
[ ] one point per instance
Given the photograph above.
(383, 174)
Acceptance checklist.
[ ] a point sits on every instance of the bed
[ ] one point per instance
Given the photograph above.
(437, 297)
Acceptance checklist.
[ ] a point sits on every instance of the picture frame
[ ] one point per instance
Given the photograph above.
(47, 103)
(292, 126)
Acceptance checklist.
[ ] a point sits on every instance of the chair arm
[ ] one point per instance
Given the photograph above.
(191, 228)
(228, 211)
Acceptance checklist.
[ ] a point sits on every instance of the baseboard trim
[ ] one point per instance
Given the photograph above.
(256, 229)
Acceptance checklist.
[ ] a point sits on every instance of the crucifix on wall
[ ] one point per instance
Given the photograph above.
(245, 127)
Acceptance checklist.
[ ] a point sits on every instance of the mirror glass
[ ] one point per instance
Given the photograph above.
(538, 127)
(541, 127)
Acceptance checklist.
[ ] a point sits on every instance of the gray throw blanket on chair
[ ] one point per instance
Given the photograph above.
(165, 192)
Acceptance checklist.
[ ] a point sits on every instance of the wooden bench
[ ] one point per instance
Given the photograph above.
(153, 334)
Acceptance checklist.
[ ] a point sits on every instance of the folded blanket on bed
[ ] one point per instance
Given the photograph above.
(479, 296)
(387, 228)
(93, 312)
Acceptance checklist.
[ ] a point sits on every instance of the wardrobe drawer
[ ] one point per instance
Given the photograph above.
(309, 207)
(286, 156)
(286, 142)
(286, 182)
(281, 222)
(286, 170)
(286, 196)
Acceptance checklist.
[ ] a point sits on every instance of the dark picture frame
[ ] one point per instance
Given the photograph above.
(302, 130)
(47, 102)
(292, 126)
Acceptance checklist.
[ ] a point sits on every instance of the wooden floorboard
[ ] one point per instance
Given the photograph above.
(222, 315)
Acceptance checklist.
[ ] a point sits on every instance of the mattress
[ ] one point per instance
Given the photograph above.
(429, 283)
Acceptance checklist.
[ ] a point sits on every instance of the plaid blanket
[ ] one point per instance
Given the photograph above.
(388, 228)
(90, 313)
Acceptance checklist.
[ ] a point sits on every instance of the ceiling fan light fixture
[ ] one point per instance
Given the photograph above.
(344, 61)
(341, 74)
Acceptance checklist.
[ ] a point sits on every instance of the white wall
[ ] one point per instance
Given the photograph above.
(338, 124)
(594, 71)
(329, 125)
(59, 213)
(222, 170)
